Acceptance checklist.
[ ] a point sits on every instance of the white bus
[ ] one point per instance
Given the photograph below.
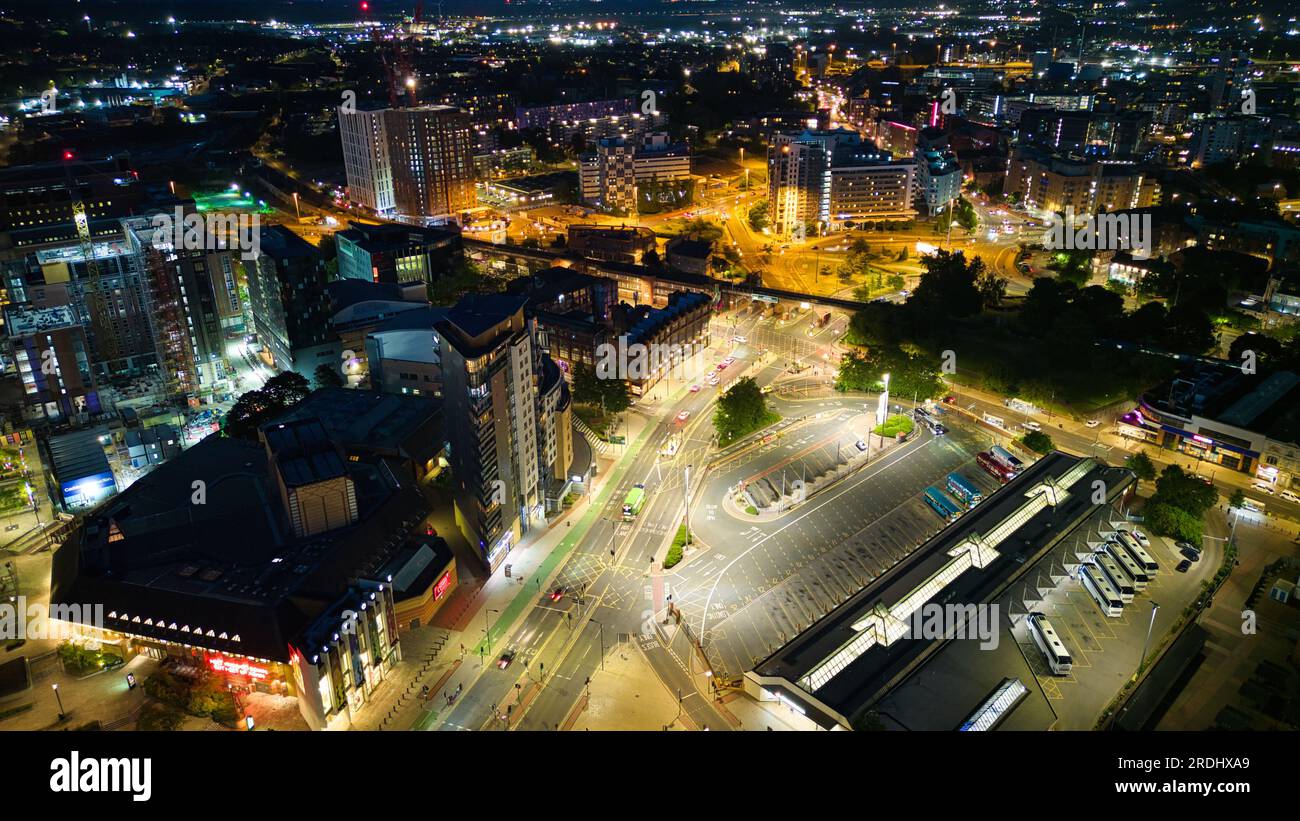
(1136, 574)
(1135, 550)
(1100, 590)
(1050, 644)
(1115, 575)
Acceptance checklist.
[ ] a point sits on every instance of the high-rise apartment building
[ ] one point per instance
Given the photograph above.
(491, 367)
(410, 162)
(820, 180)
(365, 158)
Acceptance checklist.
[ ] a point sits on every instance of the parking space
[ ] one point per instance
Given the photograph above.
(770, 581)
(1105, 651)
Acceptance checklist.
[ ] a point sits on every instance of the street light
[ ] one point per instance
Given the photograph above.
(602, 645)
(62, 714)
(1155, 606)
(487, 632)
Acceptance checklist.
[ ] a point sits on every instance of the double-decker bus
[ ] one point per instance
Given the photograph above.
(1050, 644)
(1135, 573)
(1100, 590)
(1114, 574)
(633, 502)
(961, 487)
(1004, 456)
(940, 504)
(995, 468)
(1133, 549)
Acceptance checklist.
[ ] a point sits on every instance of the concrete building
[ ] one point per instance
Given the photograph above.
(610, 176)
(290, 305)
(396, 253)
(1052, 183)
(820, 180)
(365, 158)
(491, 368)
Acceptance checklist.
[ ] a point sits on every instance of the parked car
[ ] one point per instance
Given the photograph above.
(1183, 566)
(1141, 537)
(695, 388)
(950, 399)
(1263, 487)
(1092, 423)
(861, 445)
(1191, 554)
(1289, 496)
(1034, 426)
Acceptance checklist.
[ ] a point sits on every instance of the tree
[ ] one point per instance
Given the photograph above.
(1141, 465)
(328, 376)
(947, 288)
(1038, 442)
(741, 410)
(1238, 499)
(1168, 520)
(1185, 491)
(992, 288)
(758, 216)
(257, 407)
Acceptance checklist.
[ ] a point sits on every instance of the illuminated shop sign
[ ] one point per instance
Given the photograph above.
(441, 587)
(231, 667)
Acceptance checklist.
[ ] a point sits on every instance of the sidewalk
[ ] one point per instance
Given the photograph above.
(533, 566)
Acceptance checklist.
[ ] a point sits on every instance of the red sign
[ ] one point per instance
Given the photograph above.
(442, 585)
(232, 667)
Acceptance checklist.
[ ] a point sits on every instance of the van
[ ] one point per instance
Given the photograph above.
(1034, 426)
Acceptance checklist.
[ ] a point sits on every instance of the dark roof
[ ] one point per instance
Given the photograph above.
(279, 242)
(866, 676)
(476, 314)
(346, 292)
(374, 422)
(230, 565)
(302, 451)
(78, 454)
(416, 566)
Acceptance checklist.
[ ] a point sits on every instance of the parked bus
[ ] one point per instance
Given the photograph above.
(995, 468)
(632, 504)
(940, 504)
(961, 487)
(1118, 579)
(1004, 456)
(1050, 644)
(1100, 590)
(1135, 550)
(1136, 574)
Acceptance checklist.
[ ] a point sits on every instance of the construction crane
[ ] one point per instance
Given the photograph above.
(99, 328)
(398, 70)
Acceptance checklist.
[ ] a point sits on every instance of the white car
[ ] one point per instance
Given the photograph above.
(739, 340)
(1141, 537)
(1092, 423)
(1289, 496)
(1034, 426)
(1263, 487)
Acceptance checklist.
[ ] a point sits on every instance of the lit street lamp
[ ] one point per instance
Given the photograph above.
(1155, 607)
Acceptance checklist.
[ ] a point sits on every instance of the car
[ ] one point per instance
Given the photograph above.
(861, 445)
(506, 658)
(1183, 566)
(1141, 537)
(950, 399)
(1191, 554)
(1034, 426)
(739, 339)
(683, 416)
(728, 361)
(1092, 423)
(1184, 545)
(557, 594)
(1289, 496)
(938, 430)
(1263, 487)
(695, 388)
(713, 381)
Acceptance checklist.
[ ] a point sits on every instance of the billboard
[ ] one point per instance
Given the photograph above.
(88, 490)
